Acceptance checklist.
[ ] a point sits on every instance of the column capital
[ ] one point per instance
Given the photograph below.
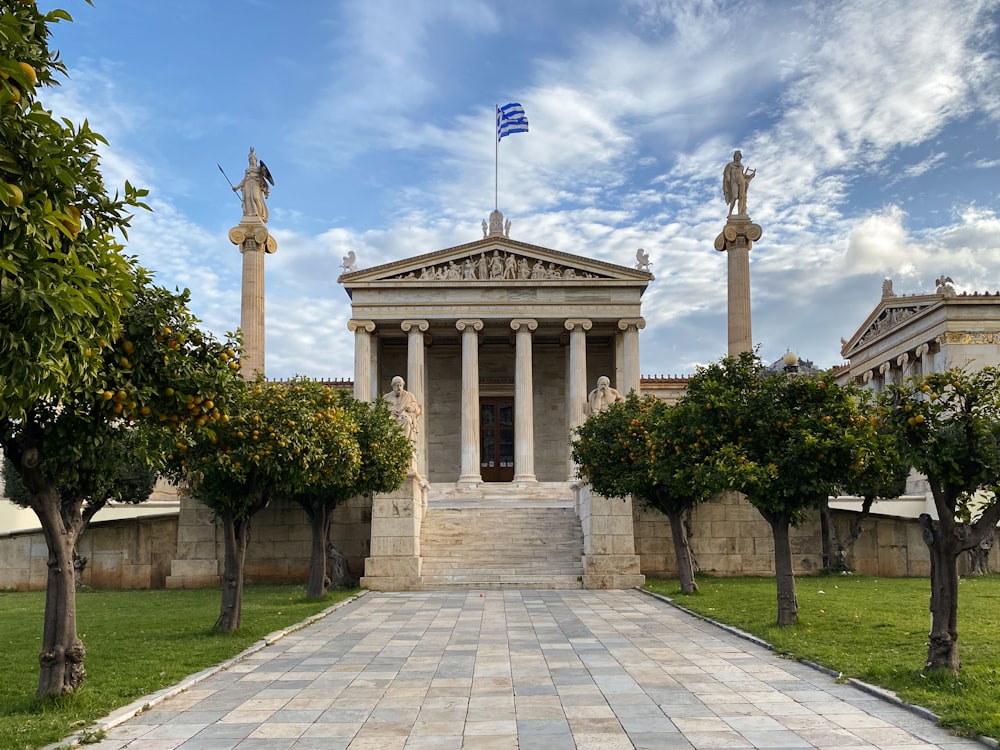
(355, 324)
(625, 323)
(420, 325)
(474, 323)
(573, 323)
(518, 323)
(923, 349)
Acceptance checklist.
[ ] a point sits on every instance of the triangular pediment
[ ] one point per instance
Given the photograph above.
(890, 313)
(494, 260)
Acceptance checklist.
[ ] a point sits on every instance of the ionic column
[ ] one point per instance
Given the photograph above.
(416, 382)
(470, 400)
(524, 415)
(362, 357)
(254, 241)
(631, 376)
(576, 378)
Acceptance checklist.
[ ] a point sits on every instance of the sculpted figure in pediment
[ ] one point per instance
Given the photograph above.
(523, 269)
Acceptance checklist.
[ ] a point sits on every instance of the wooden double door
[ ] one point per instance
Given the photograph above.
(496, 438)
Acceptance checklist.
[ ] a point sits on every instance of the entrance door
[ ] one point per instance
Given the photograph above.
(496, 438)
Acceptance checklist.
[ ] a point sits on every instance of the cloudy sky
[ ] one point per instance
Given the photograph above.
(873, 126)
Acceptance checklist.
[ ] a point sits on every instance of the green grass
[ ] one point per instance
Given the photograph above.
(875, 630)
(137, 642)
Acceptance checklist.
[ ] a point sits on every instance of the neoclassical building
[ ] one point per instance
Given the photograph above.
(500, 341)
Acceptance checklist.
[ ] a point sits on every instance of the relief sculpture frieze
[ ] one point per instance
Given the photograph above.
(890, 318)
(497, 265)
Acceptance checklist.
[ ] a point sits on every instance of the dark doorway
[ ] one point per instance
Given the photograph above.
(496, 438)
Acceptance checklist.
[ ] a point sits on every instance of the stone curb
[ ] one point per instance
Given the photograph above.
(874, 690)
(123, 714)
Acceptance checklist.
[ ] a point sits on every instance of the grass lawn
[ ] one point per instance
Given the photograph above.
(873, 629)
(137, 642)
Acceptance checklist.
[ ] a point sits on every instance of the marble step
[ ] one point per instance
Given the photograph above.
(473, 582)
(500, 494)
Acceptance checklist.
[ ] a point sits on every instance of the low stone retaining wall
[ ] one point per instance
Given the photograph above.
(728, 536)
(130, 553)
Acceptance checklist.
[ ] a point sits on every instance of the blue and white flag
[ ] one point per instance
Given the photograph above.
(511, 119)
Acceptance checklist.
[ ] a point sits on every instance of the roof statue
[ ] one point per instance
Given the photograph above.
(256, 186)
(735, 180)
(642, 260)
(887, 288)
(496, 227)
(944, 285)
(350, 262)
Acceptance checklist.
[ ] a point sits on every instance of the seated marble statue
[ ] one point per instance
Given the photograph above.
(602, 396)
(404, 407)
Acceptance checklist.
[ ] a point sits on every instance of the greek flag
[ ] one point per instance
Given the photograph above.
(511, 119)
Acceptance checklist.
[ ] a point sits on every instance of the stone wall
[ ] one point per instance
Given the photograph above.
(728, 536)
(131, 553)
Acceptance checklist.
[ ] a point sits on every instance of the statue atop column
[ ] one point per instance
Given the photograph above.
(256, 186)
(735, 181)
(602, 396)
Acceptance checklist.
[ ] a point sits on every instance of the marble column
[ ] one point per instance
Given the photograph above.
(736, 240)
(631, 376)
(470, 472)
(576, 378)
(524, 413)
(416, 383)
(254, 241)
(362, 357)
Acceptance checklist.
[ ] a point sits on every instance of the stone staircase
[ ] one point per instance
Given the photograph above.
(501, 536)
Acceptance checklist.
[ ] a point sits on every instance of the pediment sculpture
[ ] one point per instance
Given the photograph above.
(890, 318)
(496, 265)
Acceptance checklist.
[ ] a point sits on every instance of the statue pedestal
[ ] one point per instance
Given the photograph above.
(394, 564)
(609, 559)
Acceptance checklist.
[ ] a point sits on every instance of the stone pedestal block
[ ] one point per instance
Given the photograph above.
(609, 560)
(394, 564)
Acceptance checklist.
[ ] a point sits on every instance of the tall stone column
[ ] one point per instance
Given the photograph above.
(362, 357)
(576, 378)
(253, 240)
(736, 240)
(416, 382)
(524, 412)
(470, 472)
(631, 375)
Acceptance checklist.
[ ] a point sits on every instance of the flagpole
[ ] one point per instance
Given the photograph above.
(496, 164)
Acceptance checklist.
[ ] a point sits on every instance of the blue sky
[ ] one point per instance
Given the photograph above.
(873, 127)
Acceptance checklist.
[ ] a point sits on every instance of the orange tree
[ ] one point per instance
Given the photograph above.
(784, 441)
(948, 427)
(66, 448)
(281, 439)
(64, 283)
(629, 449)
(385, 455)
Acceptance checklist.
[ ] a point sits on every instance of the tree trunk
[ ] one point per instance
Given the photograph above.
(319, 523)
(236, 533)
(829, 549)
(788, 604)
(682, 551)
(942, 645)
(61, 658)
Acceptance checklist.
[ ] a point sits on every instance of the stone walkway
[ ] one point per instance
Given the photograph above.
(518, 669)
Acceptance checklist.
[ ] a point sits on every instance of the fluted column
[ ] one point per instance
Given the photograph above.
(736, 240)
(524, 412)
(630, 328)
(362, 357)
(470, 472)
(416, 382)
(576, 378)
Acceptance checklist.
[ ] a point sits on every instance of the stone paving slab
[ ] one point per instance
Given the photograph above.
(519, 670)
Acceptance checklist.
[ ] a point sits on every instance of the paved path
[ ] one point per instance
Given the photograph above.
(520, 669)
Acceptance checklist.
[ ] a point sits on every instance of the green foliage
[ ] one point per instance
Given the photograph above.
(631, 449)
(280, 439)
(64, 282)
(785, 441)
(138, 642)
(875, 630)
(948, 428)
